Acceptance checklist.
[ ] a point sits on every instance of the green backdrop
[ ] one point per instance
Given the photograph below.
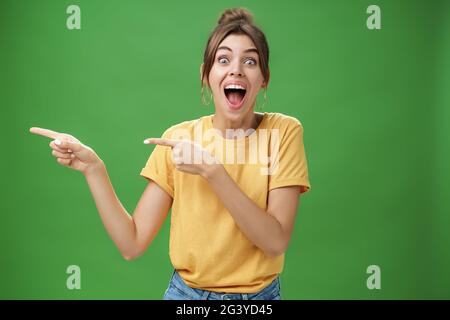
(374, 105)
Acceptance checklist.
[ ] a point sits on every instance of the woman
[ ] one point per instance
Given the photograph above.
(232, 179)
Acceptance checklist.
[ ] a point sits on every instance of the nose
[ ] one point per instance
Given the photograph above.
(236, 73)
(236, 70)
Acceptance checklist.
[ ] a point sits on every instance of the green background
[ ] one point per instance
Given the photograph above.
(374, 105)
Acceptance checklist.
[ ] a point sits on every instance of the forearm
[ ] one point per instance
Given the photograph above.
(118, 223)
(259, 226)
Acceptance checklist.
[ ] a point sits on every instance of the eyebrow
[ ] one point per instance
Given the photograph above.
(248, 50)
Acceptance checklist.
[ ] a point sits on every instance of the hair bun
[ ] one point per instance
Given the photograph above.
(236, 14)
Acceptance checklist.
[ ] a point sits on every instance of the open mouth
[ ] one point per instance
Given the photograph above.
(235, 97)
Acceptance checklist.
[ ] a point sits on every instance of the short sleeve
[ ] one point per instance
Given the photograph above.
(159, 168)
(292, 164)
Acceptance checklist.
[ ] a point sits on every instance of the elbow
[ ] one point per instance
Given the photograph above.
(129, 256)
(277, 244)
(132, 251)
(275, 251)
(272, 254)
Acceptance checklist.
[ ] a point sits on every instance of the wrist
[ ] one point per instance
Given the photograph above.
(211, 171)
(94, 169)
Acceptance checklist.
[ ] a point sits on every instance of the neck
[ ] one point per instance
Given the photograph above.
(250, 121)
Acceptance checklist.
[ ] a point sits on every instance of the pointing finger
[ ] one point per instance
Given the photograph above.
(44, 132)
(162, 142)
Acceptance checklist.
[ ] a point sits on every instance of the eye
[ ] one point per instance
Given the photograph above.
(253, 61)
(222, 59)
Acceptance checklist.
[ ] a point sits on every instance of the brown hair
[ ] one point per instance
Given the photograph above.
(236, 21)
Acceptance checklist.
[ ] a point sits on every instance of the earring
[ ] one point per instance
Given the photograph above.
(203, 98)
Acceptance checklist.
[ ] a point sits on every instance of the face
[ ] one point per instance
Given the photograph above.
(235, 78)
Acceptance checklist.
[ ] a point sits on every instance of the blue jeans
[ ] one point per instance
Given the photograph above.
(178, 290)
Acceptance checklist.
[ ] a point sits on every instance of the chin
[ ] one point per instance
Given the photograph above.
(235, 114)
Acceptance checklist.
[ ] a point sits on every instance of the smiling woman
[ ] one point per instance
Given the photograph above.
(236, 44)
(231, 221)
(235, 90)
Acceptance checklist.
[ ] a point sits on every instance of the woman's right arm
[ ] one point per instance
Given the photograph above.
(131, 234)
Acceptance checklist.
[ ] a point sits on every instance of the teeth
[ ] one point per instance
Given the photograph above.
(234, 86)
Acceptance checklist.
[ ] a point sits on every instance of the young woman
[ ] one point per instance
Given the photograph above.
(232, 179)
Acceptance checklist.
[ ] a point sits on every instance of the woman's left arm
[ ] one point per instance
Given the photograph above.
(270, 231)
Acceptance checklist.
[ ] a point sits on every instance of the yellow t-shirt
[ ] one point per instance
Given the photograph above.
(206, 246)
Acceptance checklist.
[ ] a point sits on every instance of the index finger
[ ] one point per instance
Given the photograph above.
(162, 142)
(44, 132)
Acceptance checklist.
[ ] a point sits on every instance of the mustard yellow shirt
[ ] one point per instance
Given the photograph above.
(206, 246)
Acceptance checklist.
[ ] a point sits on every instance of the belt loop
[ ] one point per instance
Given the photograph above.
(205, 295)
(244, 296)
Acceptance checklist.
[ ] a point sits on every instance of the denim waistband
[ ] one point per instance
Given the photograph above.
(179, 290)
